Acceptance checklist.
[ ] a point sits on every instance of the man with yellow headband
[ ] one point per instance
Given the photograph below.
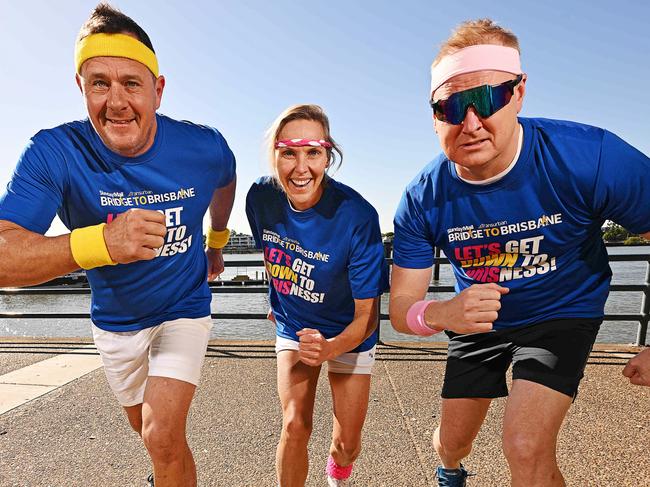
(133, 186)
(516, 204)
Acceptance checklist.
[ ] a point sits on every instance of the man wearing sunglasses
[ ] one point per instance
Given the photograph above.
(516, 204)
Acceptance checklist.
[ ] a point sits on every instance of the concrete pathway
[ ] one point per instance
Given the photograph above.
(77, 435)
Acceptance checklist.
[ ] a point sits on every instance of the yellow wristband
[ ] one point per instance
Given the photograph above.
(217, 240)
(89, 247)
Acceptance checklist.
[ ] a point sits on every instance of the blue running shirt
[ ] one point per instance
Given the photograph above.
(320, 259)
(69, 171)
(536, 230)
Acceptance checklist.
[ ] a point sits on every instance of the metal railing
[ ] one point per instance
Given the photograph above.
(261, 287)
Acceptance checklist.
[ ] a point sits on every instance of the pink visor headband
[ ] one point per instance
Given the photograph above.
(302, 143)
(483, 57)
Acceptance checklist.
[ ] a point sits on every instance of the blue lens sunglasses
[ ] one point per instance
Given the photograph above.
(486, 100)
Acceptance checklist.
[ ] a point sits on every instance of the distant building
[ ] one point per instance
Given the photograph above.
(239, 243)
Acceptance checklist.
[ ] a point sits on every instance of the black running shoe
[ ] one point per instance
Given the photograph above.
(150, 480)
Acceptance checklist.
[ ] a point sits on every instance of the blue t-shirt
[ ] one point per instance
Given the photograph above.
(69, 171)
(536, 230)
(319, 260)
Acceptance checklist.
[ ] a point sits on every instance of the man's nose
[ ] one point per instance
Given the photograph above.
(116, 99)
(472, 121)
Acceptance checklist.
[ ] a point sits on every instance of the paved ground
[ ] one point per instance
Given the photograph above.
(77, 435)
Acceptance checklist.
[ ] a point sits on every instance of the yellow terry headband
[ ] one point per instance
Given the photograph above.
(115, 45)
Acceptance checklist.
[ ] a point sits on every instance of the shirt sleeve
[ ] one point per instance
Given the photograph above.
(367, 269)
(412, 245)
(227, 162)
(35, 192)
(621, 191)
(250, 214)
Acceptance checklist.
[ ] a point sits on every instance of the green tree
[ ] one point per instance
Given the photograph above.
(615, 233)
(635, 241)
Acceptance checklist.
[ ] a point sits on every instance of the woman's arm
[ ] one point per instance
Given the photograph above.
(316, 349)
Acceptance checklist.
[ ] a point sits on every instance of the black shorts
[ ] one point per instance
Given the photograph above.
(552, 353)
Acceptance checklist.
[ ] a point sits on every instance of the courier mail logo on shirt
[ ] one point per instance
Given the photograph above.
(498, 261)
(288, 270)
(176, 239)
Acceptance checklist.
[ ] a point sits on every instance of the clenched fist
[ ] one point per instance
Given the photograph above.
(638, 369)
(473, 310)
(215, 263)
(314, 348)
(135, 235)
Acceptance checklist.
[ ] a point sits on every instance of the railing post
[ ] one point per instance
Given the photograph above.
(379, 342)
(436, 265)
(388, 253)
(645, 310)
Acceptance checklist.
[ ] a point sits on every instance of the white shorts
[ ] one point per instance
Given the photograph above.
(346, 363)
(173, 349)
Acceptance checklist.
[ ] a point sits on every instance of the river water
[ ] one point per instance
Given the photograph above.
(611, 332)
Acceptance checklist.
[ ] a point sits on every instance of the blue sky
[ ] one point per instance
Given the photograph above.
(237, 64)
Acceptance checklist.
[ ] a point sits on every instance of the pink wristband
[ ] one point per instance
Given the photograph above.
(415, 319)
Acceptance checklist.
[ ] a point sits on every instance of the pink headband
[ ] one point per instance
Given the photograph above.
(302, 143)
(482, 57)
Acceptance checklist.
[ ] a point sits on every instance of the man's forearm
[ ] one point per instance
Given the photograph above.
(29, 258)
(399, 306)
(221, 205)
(408, 286)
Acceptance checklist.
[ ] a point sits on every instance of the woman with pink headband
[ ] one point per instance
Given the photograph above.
(324, 257)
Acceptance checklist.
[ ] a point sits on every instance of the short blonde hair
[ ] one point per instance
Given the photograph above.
(302, 112)
(475, 32)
